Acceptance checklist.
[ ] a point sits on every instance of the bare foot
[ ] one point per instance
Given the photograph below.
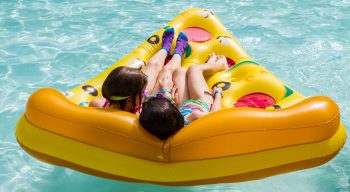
(219, 65)
(212, 58)
(223, 62)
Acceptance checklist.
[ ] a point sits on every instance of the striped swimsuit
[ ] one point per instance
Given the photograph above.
(193, 105)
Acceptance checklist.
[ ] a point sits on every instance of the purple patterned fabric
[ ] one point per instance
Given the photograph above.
(181, 44)
(168, 37)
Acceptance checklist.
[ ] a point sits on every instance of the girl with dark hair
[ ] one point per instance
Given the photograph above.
(125, 87)
(160, 115)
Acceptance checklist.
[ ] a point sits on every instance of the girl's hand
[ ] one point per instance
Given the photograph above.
(175, 94)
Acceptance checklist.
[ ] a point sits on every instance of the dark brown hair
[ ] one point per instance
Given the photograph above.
(124, 82)
(160, 118)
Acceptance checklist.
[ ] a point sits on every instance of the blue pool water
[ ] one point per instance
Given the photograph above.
(61, 43)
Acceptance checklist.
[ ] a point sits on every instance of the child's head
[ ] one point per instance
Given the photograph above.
(124, 84)
(160, 117)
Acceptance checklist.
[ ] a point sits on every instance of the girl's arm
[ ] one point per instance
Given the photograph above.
(97, 102)
(194, 116)
(217, 103)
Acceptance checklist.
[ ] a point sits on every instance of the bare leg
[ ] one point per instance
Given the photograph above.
(197, 85)
(180, 82)
(168, 70)
(175, 62)
(153, 68)
(156, 62)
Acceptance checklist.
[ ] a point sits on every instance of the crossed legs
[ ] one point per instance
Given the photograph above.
(191, 83)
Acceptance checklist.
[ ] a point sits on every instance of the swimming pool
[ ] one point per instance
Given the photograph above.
(61, 44)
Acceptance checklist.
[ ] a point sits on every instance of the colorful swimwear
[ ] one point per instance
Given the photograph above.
(106, 104)
(160, 95)
(193, 105)
(145, 93)
(137, 109)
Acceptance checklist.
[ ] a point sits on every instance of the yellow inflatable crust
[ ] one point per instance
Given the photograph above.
(231, 145)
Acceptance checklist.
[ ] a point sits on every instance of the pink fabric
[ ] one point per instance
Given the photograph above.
(106, 104)
(255, 100)
(137, 109)
(196, 34)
